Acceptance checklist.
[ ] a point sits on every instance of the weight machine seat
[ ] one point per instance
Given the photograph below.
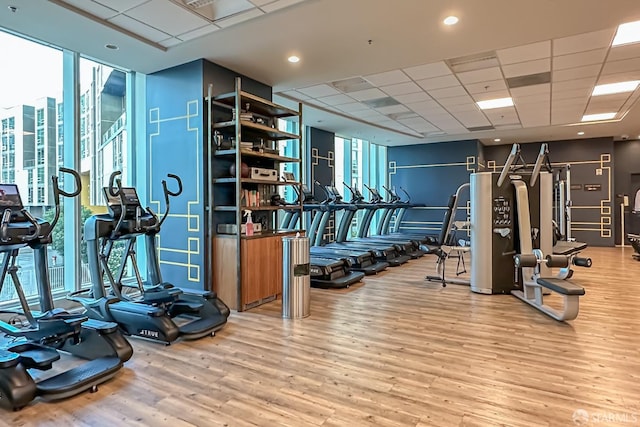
(633, 237)
(568, 248)
(563, 287)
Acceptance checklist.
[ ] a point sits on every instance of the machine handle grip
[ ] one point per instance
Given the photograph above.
(76, 189)
(169, 192)
(582, 262)
(4, 228)
(33, 221)
(112, 179)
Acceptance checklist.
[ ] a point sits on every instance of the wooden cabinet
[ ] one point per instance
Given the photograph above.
(244, 136)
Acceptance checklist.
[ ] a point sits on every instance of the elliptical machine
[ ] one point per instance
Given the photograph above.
(157, 310)
(35, 345)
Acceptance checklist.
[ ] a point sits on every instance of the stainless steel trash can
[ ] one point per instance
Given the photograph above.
(296, 281)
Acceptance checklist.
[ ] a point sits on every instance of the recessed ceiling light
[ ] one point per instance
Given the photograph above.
(627, 33)
(293, 59)
(580, 133)
(612, 88)
(595, 117)
(495, 103)
(496, 140)
(111, 46)
(450, 20)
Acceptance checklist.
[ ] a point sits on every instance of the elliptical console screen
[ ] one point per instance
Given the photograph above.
(10, 197)
(129, 196)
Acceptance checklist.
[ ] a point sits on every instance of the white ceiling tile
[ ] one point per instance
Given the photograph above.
(367, 94)
(412, 97)
(503, 116)
(198, 32)
(618, 77)
(579, 59)
(336, 99)
(573, 103)
(391, 109)
(472, 119)
(575, 73)
(586, 82)
(453, 109)
(565, 116)
(318, 91)
(572, 93)
(139, 28)
(599, 110)
(476, 76)
(605, 105)
(529, 99)
(419, 124)
(455, 128)
(296, 95)
(443, 120)
(492, 95)
(387, 78)
(239, 17)
(456, 100)
(260, 3)
(448, 92)
(618, 53)
(366, 114)
(624, 66)
(438, 82)
(524, 53)
(94, 8)
(490, 86)
(535, 120)
(583, 42)
(533, 109)
(167, 17)
(401, 88)
(170, 42)
(531, 90)
(428, 71)
(279, 4)
(429, 105)
(526, 68)
(120, 5)
(353, 107)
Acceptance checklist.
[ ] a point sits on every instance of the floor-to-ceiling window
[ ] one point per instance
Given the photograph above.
(30, 120)
(45, 123)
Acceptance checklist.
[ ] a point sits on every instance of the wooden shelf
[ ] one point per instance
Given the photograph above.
(232, 180)
(272, 133)
(264, 234)
(257, 154)
(257, 104)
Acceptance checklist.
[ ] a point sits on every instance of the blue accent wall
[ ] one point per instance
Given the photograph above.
(431, 173)
(592, 163)
(175, 145)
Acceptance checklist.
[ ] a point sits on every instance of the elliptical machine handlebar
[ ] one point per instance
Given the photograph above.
(118, 186)
(57, 191)
(36, 233)
(167, 193)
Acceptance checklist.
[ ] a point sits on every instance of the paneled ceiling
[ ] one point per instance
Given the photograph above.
(386, 71)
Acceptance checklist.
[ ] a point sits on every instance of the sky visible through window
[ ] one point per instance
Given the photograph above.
(32, 71)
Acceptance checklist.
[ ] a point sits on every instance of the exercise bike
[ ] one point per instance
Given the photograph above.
(37, 343)
(154, 309)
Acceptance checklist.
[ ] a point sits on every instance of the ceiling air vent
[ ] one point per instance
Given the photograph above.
(381, 102)
(352, 85)
(196, 4)
(480, 128)
(478, 61)
(404, 115)
(529, 80)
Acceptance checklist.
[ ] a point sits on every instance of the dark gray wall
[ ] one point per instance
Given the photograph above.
(627, 155)
(321, 160)
(591, 162)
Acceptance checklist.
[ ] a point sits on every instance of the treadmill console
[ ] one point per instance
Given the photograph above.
(127, 199)
(307, 195)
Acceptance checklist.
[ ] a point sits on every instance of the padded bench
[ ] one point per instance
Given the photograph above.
(567, 248)
(563, 287)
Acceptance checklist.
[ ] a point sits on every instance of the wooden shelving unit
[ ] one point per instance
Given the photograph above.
(247, 270)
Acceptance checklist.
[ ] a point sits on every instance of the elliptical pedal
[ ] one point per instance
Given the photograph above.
(84, 377)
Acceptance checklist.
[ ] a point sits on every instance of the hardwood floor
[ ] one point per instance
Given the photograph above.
(395, 351)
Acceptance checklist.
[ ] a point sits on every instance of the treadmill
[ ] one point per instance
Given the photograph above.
(325, 273)
(363, 261)
(409, 245)
(383, 250)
